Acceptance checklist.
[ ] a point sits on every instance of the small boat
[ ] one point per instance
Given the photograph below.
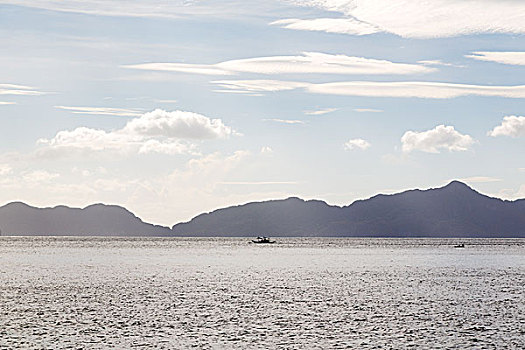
(262, 240)
(459, 245)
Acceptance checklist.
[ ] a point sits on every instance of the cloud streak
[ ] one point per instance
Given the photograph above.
(307, 63)
(512, 58)
(411, 18)
(284, 121)
(405, 89)
(120, 112)
(20, 90)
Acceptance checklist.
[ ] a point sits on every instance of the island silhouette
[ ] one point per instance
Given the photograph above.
(454, 210)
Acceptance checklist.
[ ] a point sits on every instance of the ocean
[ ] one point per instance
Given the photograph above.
(299, 293)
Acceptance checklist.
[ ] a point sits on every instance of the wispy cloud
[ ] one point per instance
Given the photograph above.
(329, 25)
(404, 89)
(480, 179)
(5, 103)
(307, 63)
(411, 18)
(120, 112)
(321, 111)
(512, 58)
(432, 141)
(367, 110)
(439, 63)
(511, 125)
(252, 86)
(257, 183)
(12, 89)
(284, 121)
(148, 8)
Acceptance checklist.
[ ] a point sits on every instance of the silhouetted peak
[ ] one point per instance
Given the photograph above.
(294, 199)
(456, 185)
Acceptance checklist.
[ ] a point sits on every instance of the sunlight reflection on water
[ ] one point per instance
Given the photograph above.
(226, 293)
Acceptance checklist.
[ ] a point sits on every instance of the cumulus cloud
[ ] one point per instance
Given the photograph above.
(405, 89)
(411, 18)
(154, 132)
(512, 58)
(120, 112)
(432, 141)
(308, 62)
(177, 124)
(168, 147)
(354, 144)
(510, 126)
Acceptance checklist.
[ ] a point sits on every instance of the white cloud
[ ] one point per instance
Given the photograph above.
(154, 132)
(169, 147)
(329, 25)
(405, 89)
(147, 8)
(266, 150)
(5, 169)
(12, 89)
(284, 121)
(308, 62)
(419, 19)
(513, 58)
(438, 63)
(257, 183)
(321, 111)
(367, 110)
(510, 126)
(251, 86)
(480, 179)
(4, 103)
(177, 124)
(415, 89)
(431, 141)
(357, 144)
(121, 112)
(38, 176)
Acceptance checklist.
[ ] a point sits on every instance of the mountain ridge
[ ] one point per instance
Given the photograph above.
(453, 210)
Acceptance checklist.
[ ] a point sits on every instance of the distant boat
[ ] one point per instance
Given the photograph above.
(459, 245)
(262, 240)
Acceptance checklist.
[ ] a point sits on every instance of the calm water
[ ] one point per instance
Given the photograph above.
(225, 293)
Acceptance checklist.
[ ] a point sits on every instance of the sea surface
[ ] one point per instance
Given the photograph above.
(220, 293)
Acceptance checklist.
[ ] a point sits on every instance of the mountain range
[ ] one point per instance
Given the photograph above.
(455, 210)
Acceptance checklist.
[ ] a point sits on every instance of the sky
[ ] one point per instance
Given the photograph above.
(175, 108)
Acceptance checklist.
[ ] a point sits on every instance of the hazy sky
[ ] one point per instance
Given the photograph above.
(173, 108)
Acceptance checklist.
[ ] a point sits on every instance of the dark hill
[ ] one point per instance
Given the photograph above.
(454, 210)
(95, 220)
